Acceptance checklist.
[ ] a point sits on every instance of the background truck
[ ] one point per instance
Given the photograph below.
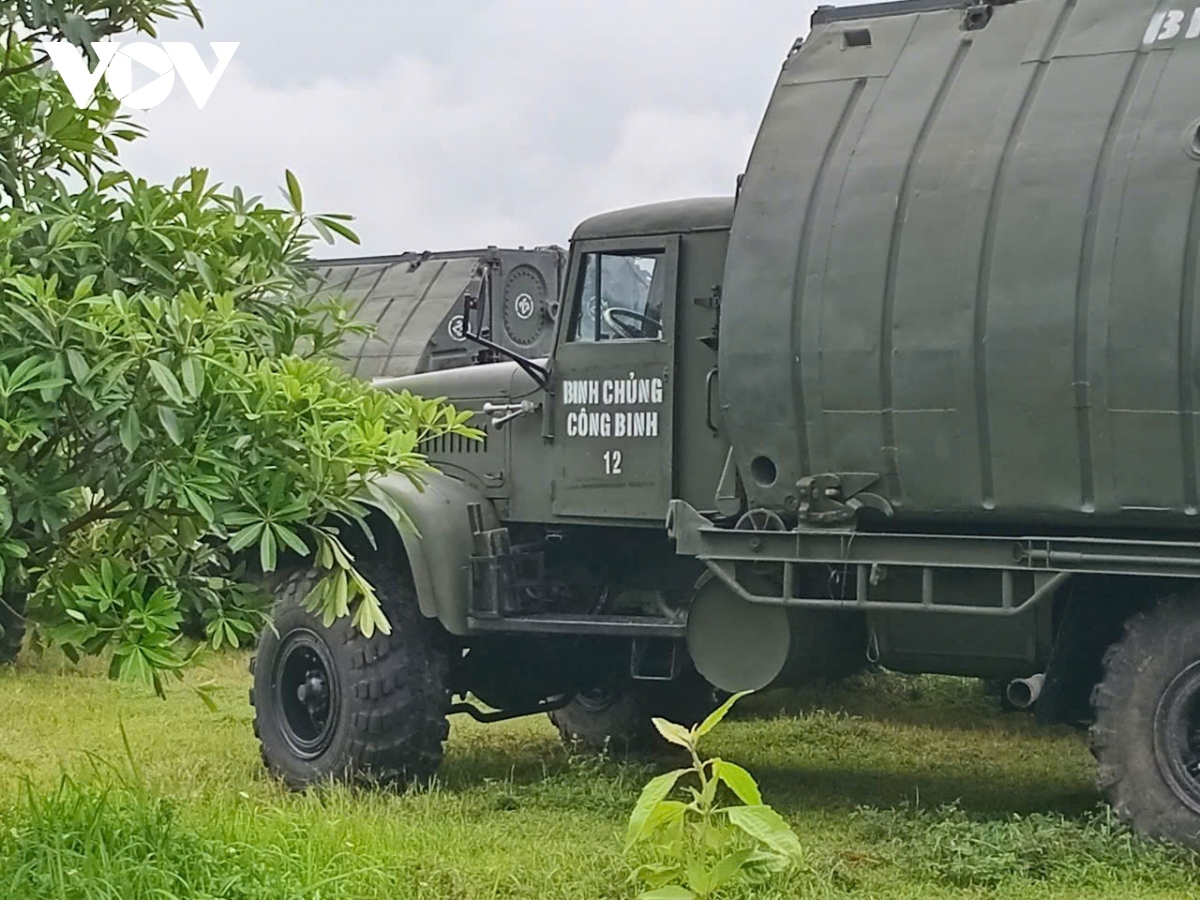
(924, 393)
(415, 303)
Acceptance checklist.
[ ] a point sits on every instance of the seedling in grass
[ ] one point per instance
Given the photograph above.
(700, 844)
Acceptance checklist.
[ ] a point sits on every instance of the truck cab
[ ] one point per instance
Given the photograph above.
(621, 427)
(580, 464)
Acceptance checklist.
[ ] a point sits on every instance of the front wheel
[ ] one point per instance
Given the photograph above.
(1146, 736)
(331, 704)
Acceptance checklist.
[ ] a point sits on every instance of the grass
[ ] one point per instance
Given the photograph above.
(899, 788)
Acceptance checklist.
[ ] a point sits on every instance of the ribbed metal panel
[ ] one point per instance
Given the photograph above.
(964, 258)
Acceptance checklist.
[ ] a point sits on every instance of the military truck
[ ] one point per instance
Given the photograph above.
(925, 392)
(415, 304)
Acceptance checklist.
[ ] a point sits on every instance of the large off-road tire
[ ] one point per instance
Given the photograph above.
(1146, 735)
(12, 630)
(604, 720)
(331, 704)
(617, 719)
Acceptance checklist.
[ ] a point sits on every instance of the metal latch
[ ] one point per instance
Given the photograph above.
(836, 498)
(506, 412)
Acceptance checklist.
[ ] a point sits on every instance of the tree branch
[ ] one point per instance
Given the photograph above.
(18, 70)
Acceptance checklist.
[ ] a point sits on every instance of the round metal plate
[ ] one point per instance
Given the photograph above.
(525, 312)
(735, 645)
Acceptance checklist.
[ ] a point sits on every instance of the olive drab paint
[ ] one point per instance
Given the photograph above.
(965, 260)
(924, 393)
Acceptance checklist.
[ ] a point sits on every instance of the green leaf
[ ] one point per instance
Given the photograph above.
(341, 594)
(290, 538)
(676, 734)
(135, 667)
(198, 503)
(193, 376)
(294, 194)
(654, 793)
(369, 617)
(130, 430)
(167, 380)
(715, 717)
(727, 868)
(338, 228)
(245, 537)
(739, 781)
(671, 892)
(697, 875)
(84, 288)
(78, 365)
(768, 827)
(170, 424)
(205, 693)
(656, 875)
(267, 550)
(324, 233)
(664, 815)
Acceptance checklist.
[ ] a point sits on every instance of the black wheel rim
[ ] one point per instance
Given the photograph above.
(1177, 736)
(307, 693)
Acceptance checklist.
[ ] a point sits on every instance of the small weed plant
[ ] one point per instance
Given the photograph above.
(700, 845)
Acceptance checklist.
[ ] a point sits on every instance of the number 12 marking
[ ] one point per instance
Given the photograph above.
(612, 462)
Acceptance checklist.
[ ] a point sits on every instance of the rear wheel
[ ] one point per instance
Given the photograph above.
(617, 718)
(1146, 736)
(333, 704)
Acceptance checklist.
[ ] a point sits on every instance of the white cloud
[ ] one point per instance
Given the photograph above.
(503, 127)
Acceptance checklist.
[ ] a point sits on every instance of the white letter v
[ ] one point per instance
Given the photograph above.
(71, 64)
(200, 82)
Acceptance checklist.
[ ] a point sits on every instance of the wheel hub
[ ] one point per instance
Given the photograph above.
(314, 692)
(306, 688)
(595, 700)
(1177, 736)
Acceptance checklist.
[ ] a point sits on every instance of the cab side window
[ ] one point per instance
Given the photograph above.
(619, 298)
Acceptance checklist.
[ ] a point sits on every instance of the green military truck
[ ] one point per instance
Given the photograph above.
(925, 393)
(415, 303)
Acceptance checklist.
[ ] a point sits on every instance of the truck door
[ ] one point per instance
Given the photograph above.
(613, 381)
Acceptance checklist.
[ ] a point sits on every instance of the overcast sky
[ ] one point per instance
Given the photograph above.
(474, 122)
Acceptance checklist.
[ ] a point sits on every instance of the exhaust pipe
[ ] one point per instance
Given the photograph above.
(1024, 692)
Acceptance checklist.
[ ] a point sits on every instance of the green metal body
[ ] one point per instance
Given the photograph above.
(442, 539)
(533, 469)
(936, 367)
(965, 259)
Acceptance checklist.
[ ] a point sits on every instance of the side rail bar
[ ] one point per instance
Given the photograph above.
(861, 602)
(1052, 561)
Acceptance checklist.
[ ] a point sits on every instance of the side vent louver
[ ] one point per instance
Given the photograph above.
(448, 444)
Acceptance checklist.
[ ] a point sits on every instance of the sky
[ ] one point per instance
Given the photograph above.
(467, 123)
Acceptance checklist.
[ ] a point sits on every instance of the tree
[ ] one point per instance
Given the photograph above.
(81, 22)
(168, 404)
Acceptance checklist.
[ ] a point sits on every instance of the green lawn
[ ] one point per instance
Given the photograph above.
(898, 787)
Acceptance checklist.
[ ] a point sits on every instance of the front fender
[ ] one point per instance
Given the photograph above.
(439, 552)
